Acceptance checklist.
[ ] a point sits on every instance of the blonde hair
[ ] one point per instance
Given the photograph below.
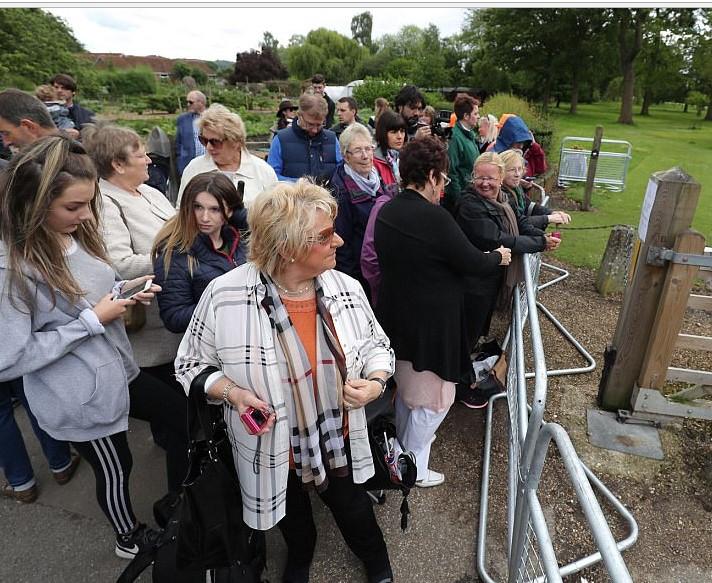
(45, 93)
(490, 158)
(107, 144)
(313, 104)
(511, 157)
(429, 111)
(219, 119)
(355, 130)
(380, 105)
(281, 223)
(492, 128)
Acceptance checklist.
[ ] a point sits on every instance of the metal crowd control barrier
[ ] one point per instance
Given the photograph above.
(530, 550)
(611, 170)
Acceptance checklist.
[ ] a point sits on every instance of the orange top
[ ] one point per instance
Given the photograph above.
(302, 313)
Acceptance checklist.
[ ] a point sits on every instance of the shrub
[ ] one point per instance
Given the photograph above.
(373, 87)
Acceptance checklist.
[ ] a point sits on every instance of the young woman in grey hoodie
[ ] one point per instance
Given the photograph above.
(63, 330)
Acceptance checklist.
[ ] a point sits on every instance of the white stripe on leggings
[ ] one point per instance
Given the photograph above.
(121, 522)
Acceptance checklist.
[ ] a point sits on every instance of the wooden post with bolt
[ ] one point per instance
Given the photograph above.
(668, 209)
(592, 165)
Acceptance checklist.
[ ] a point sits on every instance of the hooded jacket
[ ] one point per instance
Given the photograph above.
(512, 131)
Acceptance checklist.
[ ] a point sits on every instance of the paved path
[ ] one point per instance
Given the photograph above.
(64, 538)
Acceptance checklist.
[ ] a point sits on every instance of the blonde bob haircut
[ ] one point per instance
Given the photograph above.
(489, 158)
(492, 127)
(228, 125)
(511, 157)
(282, 223)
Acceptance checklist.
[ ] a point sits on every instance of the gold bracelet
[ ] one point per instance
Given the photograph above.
(226, 391)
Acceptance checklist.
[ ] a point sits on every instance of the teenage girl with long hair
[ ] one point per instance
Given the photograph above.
(63, 330)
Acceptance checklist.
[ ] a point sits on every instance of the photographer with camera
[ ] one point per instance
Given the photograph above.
(410, 103)
(462, 150)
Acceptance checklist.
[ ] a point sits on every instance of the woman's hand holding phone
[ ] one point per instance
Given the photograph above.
(109, 308)
(141, 289)
(244, 400)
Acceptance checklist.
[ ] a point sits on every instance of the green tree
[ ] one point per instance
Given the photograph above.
(327, 52)
(269, 42)
(702, 65)
(180, 70)
(34, 45)
(361, 27)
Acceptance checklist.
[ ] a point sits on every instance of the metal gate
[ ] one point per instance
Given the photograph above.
(611, 170)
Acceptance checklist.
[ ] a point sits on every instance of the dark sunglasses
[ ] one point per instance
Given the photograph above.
(214, 142)
(190, 102)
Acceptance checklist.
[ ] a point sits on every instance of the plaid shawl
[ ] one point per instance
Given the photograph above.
(315, 418)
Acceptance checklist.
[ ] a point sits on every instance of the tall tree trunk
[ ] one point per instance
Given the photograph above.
(574, 92)
(708, 117)
(647, 100)
(546, 96)
(686, 106)
(628, 48)
(626, 114)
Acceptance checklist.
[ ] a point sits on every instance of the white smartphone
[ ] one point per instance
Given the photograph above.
(130, 292)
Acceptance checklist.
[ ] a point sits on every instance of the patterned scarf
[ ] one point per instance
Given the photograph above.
(315, 419)
(370, 184)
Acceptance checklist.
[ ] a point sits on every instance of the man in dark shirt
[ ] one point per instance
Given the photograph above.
(66, 88)
(347, 112)
(24, 119)
(319, 87)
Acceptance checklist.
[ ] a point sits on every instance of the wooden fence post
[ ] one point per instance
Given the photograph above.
(671, 309)
(592, 165)
(668, 210)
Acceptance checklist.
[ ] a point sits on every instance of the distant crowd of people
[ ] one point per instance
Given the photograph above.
(358, 254)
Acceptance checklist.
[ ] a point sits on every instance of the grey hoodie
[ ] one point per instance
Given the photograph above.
(75, 377)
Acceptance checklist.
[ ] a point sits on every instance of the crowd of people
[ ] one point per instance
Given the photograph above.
(358, 255)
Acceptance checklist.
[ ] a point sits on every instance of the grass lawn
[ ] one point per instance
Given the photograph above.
(661, 141)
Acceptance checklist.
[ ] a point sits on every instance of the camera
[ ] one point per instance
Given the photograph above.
(441, 125)
(255, 419)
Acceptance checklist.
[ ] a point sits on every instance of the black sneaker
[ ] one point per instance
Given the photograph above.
(478, 398)
(141, 540)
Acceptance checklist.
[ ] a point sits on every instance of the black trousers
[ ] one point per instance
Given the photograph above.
(353, 512)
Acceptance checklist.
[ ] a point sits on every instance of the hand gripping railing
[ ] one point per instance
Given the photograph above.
(531, 555)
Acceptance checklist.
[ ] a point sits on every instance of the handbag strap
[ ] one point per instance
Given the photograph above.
(201, 425)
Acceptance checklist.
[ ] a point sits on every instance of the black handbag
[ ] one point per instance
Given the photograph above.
(391, 472)
(211, 533)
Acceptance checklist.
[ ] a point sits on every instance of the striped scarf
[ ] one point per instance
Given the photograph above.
(315, 417)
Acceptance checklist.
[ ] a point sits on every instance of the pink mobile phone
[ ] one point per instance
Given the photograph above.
(556, 234)
(254, 420)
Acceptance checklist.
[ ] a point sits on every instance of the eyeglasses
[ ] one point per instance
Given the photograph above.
(368, 150)
(484, 179)
(307, 125)
(322, 238)
(446, 178)
(190, 102)
(214, 142)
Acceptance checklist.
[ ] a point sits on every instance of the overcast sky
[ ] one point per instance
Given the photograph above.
(218, 33)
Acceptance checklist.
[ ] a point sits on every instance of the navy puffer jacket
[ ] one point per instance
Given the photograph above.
(181, 289)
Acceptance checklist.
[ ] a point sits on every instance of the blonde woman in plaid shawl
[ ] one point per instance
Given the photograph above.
(288, 333)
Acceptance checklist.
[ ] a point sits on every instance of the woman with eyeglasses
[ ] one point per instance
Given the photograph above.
(424, 260)
(288, 335)
(355, 184)
(489, 221)
(224, 136)
(132, 213)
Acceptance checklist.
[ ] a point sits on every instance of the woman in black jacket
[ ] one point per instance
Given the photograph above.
(489, 222)
(196, 246)
(424, 259)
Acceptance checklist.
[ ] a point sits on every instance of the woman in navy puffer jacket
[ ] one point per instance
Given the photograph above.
(197, 245)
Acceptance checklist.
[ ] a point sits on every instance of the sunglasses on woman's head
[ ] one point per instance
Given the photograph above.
(214, 142)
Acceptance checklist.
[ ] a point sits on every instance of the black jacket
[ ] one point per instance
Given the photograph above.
(537, 214)
(424, 258)
(181, 290)
(331, 106)
(483, 224)
(80, 115)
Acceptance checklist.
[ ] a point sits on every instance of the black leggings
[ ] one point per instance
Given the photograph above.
(353, 511)
(110, 457)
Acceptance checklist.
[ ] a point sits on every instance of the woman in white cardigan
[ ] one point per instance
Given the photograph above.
(132, 215)
(224, 136)
(287, 334)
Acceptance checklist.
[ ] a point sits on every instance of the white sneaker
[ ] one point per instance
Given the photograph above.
(432, 479)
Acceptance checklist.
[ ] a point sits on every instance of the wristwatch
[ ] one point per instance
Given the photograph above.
(381, 382)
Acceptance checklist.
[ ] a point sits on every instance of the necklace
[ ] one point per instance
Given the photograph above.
(297, 292)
